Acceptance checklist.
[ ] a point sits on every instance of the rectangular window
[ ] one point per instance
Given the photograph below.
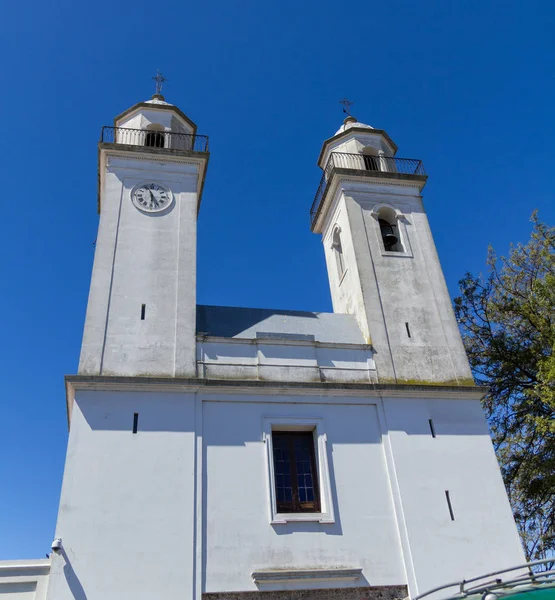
(295, 472)
(299, 483)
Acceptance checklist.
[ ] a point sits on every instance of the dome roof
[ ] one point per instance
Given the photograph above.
(349, 123)
(158, 99)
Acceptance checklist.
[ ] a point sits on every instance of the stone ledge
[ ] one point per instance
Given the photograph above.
(106, 381)
(284, 575)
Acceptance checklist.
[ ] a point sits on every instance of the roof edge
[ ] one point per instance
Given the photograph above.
(148, 106)
(356, 129)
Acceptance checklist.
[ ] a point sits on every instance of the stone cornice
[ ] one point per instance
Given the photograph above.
(162, 155)
(277, 341)
(271, 388)
(161, 107)
(340, 176)
(18, 566)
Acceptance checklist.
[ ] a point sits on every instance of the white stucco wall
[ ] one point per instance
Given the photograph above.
(280, 360)
(460, 459)
(143, 258)
(24, 579)
(346, 287)
(127, 507)
(385, 290)
(186, 500)
(239, 537)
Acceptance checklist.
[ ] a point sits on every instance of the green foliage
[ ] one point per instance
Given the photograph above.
(507, 320)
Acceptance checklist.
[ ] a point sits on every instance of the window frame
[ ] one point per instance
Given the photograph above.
(401, 231)
(316, 425)
(297, 505)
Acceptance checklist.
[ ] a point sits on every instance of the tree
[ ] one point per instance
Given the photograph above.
(507, 320)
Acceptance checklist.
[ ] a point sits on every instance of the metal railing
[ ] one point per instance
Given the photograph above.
(362, 162)
(527, 580)
(154, 139)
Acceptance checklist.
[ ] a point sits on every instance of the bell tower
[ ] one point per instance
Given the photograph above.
(142, 302)
(381, 258)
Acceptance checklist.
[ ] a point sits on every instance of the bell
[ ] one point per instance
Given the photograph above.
(389, 240)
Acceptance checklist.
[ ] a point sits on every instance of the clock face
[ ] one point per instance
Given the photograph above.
(151, 197)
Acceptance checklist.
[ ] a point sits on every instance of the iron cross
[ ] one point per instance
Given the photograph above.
(159, 81)
(346, 106)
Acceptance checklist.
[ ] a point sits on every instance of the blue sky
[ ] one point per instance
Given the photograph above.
(466, 86)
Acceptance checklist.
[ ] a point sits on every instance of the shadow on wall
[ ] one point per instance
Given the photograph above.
(175, 412)
(115, 411)
(73, 583)
(229, 321)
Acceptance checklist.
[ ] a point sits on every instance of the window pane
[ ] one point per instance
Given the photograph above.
(295, 471)
(282, 468)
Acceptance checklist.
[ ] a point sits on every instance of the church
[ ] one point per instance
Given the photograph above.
(221, 453)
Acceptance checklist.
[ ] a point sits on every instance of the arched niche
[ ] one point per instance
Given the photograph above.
(391, 234)
(371, 158)
(155, 136)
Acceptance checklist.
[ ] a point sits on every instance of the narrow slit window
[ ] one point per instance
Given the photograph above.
(449, 505)
(432, 428)
(408, 329)
(143, 312)
(296, 476)
(135, 422)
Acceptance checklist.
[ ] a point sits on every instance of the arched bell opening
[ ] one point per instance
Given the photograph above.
(371, 159)
(155, 137)
(389, 230)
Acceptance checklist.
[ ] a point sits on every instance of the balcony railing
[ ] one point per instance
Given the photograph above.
(154, 139)
(362, 162)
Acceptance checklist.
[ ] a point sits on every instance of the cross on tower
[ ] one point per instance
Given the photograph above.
(346, 106)
(159, 81)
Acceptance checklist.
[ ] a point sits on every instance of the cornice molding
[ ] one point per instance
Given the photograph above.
(341, 176)
(254, 387)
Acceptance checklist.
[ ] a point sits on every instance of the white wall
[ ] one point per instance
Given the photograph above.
(385, 290)
(239, 537)
(185, 501)
(126, 514)
(461, 460)
(24, 579)
(143, 259)
(392, 518)
(280, 360)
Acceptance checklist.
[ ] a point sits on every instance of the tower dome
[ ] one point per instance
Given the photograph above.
(351, 122)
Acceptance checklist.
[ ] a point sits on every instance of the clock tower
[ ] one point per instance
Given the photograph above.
(142, 302)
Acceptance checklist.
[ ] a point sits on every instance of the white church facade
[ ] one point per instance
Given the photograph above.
(220, 453)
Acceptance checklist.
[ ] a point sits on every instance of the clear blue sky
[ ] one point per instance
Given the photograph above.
(467, 86)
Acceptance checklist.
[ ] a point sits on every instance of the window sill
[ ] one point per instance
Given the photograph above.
(394, 253)
(342, 277)
(304, 575)
(284, 518)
